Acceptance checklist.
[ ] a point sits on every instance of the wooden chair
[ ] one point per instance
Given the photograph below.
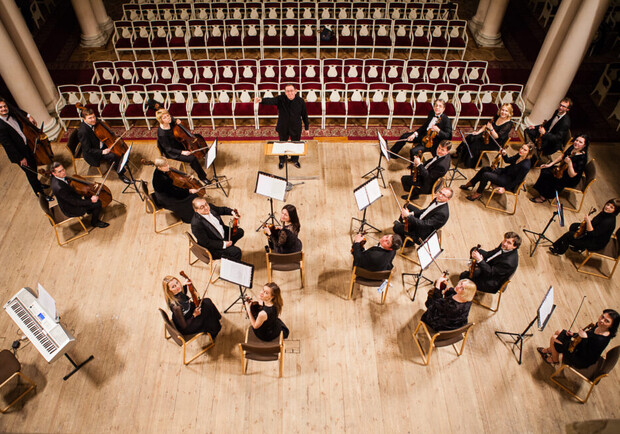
(408, 243)
(201, 254)
(499, 298)
(591, 375)
(151, 207)
(262, 351)
(58, 219)
(490, 155)
(515, 193)
(441, 339)
(436, 186)
(588, 178)
(610, 252)
(286, 262)
(170, 331)
(9, 369)
(373, 279)
(74, 147)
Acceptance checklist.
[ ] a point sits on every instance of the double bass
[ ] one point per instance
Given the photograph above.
(181, 179)
(104, 133)
(37, 141)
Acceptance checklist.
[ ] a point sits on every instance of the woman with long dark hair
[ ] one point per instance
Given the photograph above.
(284, 239)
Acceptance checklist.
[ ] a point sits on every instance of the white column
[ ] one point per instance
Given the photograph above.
(489, 34)
(105, 22)
(21, 86)
(568, 59)
(560, 27)
(24, 43)
(476, 21)
(92, 35)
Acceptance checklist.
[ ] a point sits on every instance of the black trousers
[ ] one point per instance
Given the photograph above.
(293, 137)
(567, 240)
(486, 175)
(31, 173)
(194, 164)
(113, 158)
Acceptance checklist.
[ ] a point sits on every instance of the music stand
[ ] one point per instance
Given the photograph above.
(123, 165)
(383, 152)
(209, 162)
(427, 252)
(238, 273)
(365, 195)
(539, 236)
(456, 170)
(272, 187)
(543, 314)
(287, 149)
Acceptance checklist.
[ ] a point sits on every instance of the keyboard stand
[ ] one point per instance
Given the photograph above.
(76, 367)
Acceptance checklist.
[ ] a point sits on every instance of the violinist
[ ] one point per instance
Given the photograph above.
(593, 341)
(376, 258)
(266, 324)
(504, 178)
(436, 121)
(499, 128)
(595, 234)
(552, 134)
(176, 199)
(187, 317)
(494, 267)
(70, 202)
(285, 239)
(428, 172)
(170, 146)
(14, 141)
(93, 149)
(571, 165)
(448, 308)
(422, 222)
(211, 232)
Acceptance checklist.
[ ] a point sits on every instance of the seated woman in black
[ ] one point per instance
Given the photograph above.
(176, 199)
(172, 148)
(285, 239)
(506, 178)
(594, 340)
(264, 320)
(598, 231)
(499, 128)
(188, 318)
(449, 309)
(575, 158)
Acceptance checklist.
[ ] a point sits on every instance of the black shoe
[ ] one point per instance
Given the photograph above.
(296, 164)
(45, 186)
(267, 249)
(49, 197)
(206, 181)
(553, 251)
(281, 165)
(100, 224)
(410, 166)
(124, 179)
(405, 196)
(472, 197)
(464, 187)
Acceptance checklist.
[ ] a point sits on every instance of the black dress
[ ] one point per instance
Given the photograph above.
(603, 225)
(547, 184)
(587, 352)
(508, 177)
(169, 196)
(476, 142)
(445, 313)
(182, 315)
(285, 240)
(271, 328)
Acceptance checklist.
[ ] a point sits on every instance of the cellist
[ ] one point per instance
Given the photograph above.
(176, 199)
(13, 140)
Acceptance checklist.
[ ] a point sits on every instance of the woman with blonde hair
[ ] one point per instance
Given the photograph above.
(448, 309)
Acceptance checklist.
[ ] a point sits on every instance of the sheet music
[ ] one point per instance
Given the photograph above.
(271, 186)
(367, 193)
(361, 197)
(47, 303)
(288, 148)
(211, 154)
(238, 273)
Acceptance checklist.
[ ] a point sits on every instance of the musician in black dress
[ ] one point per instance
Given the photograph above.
(554, 132)
(504, 178)
(376, 258)
(597, 232)
(494, 267)
(169, 196)
(170, 146)
(427, 172)
(284, 239)
(436, 121)
(593, 342)
(211, 232)
(449, 309)
(574, 158)
(422, 222)
(188, 318)
(499, 128)
(266, 324)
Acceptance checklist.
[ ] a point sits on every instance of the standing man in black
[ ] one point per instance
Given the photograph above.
(291, 111)
(376, 258)
(93, 150)
(554, 132)
(13, 140)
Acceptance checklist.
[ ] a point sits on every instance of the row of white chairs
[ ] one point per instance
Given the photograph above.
(239, 35)
(290, 71)
(338, 100)
(289, 9)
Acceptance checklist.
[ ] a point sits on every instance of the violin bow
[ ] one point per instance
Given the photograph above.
(118, 138)
(395, 197)
(105, 178)
(575, 318)
(208, 283)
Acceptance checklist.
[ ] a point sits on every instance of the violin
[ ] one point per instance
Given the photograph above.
(235, 222)
(362, 243)
(576, 339)
(472, 265)
(272, 229)
(538, 142)
(486, 134)
(582, 226)
(255, 306)
(180, 179)
(194, 143)
(558, 170)
(414, 174)
(104, 133)
(87, 188)
(429, 138)
(37, 141)
(498, 158)
(191, 288)
(442, 286)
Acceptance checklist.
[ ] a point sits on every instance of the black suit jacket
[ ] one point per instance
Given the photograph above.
(70, 202)
(427, 177)
(433, 221)
(14, 145)
(90, 145)
(290, 114)
(554, 139)
(492, 275)
(444, 124)
(375, 258)
(206, 235)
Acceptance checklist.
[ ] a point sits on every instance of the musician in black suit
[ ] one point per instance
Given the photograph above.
(13, 140)
(436, 121)
(93, 149)
(291, 112)
(376, 258)
(70, 202)
(176, 199)
(495, 267)
(211, 232)
(422, 222)
(428, 172)
(554, 132)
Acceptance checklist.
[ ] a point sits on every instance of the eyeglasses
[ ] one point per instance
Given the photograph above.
(564, 106)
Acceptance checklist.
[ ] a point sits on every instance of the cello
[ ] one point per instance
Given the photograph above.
(104, 133)
(180, 179)
(38, 142)
(87, 188)
(194, 143)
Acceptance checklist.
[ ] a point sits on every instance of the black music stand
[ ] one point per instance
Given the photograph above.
(539, 236)
(365, 195)
(455, 171)
(134, 182)
(430, 251)
(287, 154)
(238, 273)
(210, 162)
(272, 187)
(377, 172)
